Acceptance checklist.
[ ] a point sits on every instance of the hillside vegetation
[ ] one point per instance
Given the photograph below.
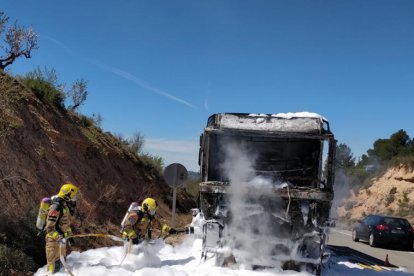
(43, 145)
(381, 182)
(392, 193)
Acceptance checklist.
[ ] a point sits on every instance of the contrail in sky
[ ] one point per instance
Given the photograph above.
(140, 82)
(125, 75)
(61, 45)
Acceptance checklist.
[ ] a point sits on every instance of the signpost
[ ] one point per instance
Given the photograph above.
(175, 175)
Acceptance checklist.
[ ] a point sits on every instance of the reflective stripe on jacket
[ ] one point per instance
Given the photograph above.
(58, 220)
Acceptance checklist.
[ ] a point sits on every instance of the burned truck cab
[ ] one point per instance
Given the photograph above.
(294, 152)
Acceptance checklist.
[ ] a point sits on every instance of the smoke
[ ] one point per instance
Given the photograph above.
(254, 232)
(345, 184)
(342, 190)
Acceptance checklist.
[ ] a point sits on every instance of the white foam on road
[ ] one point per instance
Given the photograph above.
(160, 259)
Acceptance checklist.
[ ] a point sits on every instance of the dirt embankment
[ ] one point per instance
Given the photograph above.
(43, 147)
(391, 194)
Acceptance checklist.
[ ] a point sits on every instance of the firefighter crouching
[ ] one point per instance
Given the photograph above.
(57, 227)
(136, 220)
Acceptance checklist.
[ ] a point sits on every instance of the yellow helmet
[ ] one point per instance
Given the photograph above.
(68, 192)
(149, 205)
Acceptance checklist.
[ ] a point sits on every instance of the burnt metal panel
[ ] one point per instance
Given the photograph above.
(263, 133)
(243, 120)
(305, 193)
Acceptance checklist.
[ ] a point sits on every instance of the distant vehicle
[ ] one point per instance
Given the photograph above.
(386, 230)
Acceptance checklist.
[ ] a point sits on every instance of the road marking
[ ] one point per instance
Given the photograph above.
(364, 266)
(341, 232)
(362, 259)
(373, 267)
(377, 268)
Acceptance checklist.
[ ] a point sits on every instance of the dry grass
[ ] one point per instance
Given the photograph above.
(101, 207)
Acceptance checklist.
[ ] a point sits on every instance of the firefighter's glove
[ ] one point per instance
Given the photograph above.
(168, 229)
(136, 241)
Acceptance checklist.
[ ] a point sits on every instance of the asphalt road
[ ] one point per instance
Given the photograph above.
(341, 240)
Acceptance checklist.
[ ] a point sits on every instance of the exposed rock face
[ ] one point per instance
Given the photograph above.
(392, 194)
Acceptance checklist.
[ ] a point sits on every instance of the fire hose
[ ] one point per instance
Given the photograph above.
(62, 245)
(185, 230)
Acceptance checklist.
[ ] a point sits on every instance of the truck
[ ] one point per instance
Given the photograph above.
(266, 189)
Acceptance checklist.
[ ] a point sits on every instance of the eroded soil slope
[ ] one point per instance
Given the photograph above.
(392, 194)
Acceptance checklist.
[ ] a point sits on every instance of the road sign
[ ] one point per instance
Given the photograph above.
(175, 175)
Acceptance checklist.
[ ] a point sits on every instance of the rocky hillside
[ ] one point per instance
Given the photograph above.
(43, 146)
(392, 193)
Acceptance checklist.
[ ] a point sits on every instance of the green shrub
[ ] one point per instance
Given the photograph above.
(121, 141)
(133, 144)
(406, 160)
(152, 162)
(366, 184)
(15, 259)
(388, 211)
(44, 86)
(86, 121)
(21, 248)
(391, 196)
(192, 187)
(404, 208)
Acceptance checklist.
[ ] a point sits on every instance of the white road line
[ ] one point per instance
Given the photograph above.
(341, 232)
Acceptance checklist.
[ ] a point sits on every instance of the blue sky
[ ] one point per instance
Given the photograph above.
(162, 67)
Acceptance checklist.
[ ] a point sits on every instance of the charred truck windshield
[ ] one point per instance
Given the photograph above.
(294, 152)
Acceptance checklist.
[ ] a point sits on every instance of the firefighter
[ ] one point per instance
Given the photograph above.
(57, 227)
(136, 220)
